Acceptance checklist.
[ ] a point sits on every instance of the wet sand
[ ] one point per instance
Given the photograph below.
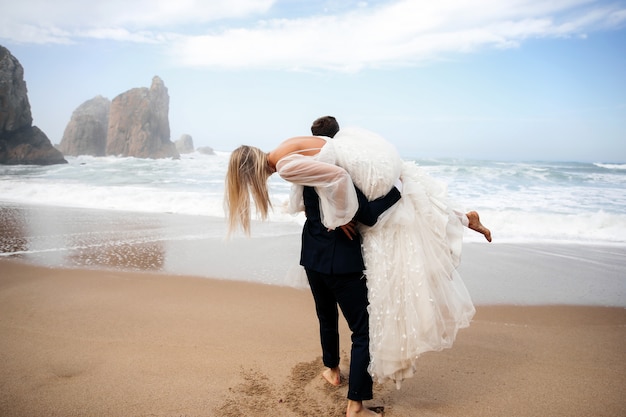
(95, 320)
(497, 273)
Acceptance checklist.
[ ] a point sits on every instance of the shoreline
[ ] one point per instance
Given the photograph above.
(172, 244)
(110, 343)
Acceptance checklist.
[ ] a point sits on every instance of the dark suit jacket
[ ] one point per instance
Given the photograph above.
(331, 252)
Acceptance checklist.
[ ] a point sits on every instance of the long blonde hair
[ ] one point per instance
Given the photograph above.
(247, 174)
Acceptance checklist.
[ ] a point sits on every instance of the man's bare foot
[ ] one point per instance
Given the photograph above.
(333, 376)
(475, 224)
(356, 409)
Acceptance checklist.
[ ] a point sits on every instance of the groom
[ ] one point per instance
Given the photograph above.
(334, 265)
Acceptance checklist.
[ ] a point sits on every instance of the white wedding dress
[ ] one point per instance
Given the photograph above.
(418, 301)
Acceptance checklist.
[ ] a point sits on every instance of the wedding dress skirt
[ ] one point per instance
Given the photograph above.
(418, 300)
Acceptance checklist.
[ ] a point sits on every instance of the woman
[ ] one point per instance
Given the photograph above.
(418, 301)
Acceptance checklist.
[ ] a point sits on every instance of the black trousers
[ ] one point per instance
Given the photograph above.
(349, 291)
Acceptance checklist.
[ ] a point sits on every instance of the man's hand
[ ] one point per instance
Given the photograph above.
(349, 229)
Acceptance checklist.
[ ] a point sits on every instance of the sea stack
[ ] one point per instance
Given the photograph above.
(139, 124)
(86, 133)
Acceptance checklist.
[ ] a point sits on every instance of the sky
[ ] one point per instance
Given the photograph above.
(525, 80)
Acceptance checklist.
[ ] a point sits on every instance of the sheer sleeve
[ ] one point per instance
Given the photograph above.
(338, 199)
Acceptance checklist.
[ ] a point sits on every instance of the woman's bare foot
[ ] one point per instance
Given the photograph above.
(333, 376)
(356, 409)
(475, 224)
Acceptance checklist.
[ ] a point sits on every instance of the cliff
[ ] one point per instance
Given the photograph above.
(21, 143)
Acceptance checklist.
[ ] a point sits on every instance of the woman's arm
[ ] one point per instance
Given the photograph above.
(338, 199)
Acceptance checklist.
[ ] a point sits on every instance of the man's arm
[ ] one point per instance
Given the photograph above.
(369, 211)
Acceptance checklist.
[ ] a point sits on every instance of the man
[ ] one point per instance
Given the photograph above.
(334, 265)
(325, 126)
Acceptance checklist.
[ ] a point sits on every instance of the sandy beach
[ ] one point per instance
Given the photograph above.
(82, 334)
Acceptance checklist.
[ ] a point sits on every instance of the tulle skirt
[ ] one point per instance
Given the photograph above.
(418, 301)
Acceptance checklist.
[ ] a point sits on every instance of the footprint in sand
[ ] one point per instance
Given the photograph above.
(305, 393)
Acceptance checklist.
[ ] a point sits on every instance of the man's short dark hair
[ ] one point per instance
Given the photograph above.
(325, 126)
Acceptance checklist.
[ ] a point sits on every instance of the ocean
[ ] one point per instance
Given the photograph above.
(526, 201)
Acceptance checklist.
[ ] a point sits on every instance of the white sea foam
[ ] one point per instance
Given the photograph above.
(611, 166)
(519, 201)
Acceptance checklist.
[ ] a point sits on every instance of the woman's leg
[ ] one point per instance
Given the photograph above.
(475, 224)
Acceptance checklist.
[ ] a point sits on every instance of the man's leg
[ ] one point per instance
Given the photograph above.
(351, 293)
(328, 316)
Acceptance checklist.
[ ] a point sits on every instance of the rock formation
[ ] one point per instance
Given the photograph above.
(86, 133)
(139, 124)
(20, 141)
(184, 144)
(206, 150)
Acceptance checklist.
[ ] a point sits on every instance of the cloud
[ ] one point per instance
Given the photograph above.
(259, 33)
(395, 34)
(68, 21)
